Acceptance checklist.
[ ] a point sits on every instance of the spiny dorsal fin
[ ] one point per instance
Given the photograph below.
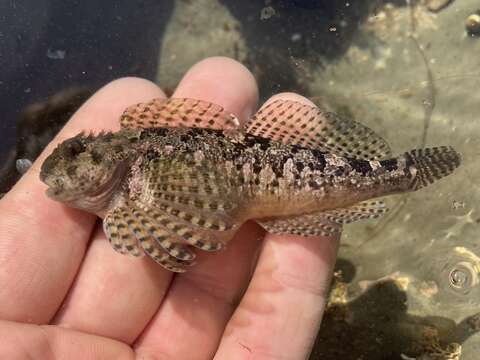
(291, 122)
(179, 112)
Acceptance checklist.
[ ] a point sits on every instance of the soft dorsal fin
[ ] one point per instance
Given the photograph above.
(292, 122)
(178, 112)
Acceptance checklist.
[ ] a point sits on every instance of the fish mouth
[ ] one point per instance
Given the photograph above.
(59, 189)
(59, 194)
(91, 199)
(54, 193)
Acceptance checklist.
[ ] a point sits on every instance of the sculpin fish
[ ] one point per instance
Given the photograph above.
(295, 169)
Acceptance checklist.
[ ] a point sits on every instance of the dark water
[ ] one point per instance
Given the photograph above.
(47, 46)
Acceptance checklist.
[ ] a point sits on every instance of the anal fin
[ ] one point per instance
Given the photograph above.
(325, 223)
(360, 211)
(316, 224)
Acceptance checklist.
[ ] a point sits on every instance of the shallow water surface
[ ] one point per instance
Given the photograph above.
(406, 286)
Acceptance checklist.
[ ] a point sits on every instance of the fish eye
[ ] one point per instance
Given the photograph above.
(77, 147)
(73, 148)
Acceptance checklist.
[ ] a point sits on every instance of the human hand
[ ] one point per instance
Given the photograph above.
(65, 294)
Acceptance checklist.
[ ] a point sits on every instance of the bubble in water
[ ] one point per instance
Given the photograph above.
(462, 272)
(463, 276)
(452, 275)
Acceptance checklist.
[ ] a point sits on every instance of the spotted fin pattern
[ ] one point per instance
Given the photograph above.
(196, 193)
(130, 229)
(115, 225)
(316, 224)
(326, 223)
(169, 231)
(291, 122)
(432, 164)
(360, 211)
(179, 112)
(184, 202)
(150, 227)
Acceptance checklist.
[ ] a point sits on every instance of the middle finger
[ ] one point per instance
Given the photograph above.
(192, 318)
(114, 295)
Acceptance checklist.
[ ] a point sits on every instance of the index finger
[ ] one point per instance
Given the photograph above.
(42, 241)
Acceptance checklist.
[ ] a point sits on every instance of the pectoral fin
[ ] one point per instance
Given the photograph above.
(198, 193)
(117, 230)
(130, 232)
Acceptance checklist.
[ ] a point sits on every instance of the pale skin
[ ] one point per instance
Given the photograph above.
(66, 294)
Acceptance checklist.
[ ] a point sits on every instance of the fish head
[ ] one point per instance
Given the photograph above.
(85, 166)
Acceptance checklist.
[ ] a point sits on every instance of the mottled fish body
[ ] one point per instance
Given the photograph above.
(294, 169)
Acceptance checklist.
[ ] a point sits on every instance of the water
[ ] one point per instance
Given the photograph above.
(409, 73)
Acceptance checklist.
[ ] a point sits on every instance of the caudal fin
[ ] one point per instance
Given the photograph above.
(432, 164)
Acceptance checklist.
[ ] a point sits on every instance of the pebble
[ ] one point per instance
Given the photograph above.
(23, 165)
(473, 24)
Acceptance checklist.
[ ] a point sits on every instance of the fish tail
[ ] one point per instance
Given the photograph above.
(431, 164)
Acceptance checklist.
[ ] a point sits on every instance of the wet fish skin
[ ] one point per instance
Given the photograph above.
(267, 178)
(164, 191)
